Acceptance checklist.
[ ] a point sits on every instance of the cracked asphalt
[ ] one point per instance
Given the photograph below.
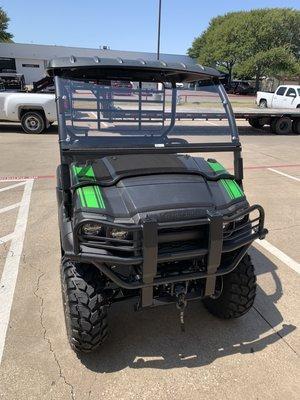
(146, 355)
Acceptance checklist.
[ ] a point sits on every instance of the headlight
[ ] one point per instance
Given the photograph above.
(226, 225)
(91, 228)
(242, 220)
(117, 233)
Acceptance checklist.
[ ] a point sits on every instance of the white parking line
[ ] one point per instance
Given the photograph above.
(283, 174)
(12, 186)
(17, 178)
(11, 267)
(8, 208)
(212, 123)
(6, 238)
(280, 255)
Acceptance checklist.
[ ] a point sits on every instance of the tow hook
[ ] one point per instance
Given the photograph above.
(180, 293)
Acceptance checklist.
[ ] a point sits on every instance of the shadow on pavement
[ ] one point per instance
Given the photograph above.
(16, 128)
(152, 338)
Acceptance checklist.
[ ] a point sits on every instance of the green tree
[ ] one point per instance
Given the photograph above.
(219, 45)
(253, 43)
(4, 20)
(278, 61)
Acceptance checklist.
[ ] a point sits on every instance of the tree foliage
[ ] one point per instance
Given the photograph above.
(252, 43)
(4, 20)
(278, 61)
(220, 44)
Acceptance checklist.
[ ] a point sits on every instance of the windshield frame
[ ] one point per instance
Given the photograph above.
(102, 94)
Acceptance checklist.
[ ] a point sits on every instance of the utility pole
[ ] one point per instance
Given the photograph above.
(158, 29)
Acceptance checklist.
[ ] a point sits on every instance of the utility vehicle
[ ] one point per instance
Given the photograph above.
(140, 216)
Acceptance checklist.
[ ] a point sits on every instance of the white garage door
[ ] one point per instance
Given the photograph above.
(33, 70)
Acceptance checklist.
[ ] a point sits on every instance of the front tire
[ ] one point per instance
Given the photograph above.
(238, 292)
(85, 314)
(33, 122)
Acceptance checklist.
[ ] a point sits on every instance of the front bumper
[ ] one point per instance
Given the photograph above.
(145, 248)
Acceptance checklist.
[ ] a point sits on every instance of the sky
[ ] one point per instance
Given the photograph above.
(120, 24)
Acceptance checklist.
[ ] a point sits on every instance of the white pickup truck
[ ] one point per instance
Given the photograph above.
(285, 96)
(35, 111)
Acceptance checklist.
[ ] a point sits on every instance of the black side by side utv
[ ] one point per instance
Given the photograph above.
(139, 216)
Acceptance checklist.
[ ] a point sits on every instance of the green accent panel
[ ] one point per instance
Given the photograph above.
(226, 187)
(235, 189)
(83, 173)
(216, 166)
(81, 196)
(232, 188)
(90, 196)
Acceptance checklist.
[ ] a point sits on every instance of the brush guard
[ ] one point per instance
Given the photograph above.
(237, 237)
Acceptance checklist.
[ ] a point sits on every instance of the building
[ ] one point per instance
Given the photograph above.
(31, 59)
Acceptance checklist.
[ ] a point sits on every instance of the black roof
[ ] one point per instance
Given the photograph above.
(118, 68)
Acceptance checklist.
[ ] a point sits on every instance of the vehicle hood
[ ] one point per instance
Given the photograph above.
(164, 186)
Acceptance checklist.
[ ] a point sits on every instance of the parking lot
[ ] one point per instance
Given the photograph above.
(146, 355)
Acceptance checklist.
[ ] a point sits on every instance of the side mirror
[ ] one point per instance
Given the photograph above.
(292, 95)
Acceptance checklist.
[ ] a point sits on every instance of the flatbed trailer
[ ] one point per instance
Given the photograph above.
(280, 121)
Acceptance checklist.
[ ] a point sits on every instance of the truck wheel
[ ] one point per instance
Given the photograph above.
(237, 294)
(296, 126)
(263, 104)
(85, 314)
(256, 123)
(281, 126)
(33, 122)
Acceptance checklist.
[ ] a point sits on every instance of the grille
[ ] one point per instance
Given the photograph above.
(182, 239)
